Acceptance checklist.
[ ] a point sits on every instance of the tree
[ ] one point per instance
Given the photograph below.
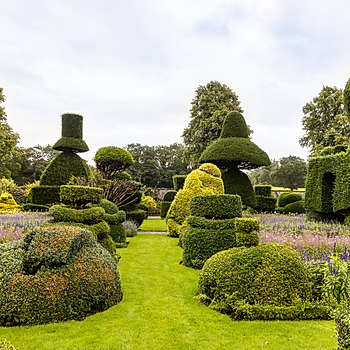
(8, 140)
(261, 176)
(209, 109)
(290, 173)
(324, 122)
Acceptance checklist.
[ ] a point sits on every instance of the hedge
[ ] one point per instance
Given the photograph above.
(342, 324)
(266, 204)
(169, 196)
(44, 195)
(79, 196)
(263, 190)
(179, 181)
(295, 207)
(164, 207)
(86, 216)
(56, 274)
(287, 198)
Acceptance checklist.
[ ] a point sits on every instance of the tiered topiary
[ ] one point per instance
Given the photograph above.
(88, 210)
(232, 152)
(205, 180)
(211, 227)
(265, 201)
(247, 232)
(7, 203)
(290, 202)
(264, 282)
(168, 198)
(56, 274)
(65, 165)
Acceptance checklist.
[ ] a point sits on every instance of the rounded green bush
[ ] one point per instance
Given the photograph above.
(169, 196)
(269, 274)
(287, 198)
(112, 153)
(263, 190)
(130, 228)
(295, 208)
(56, 274)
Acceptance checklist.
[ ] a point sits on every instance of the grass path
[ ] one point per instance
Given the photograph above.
(158, 312)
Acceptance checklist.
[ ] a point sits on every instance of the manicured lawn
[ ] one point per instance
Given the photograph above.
(153, 225)
(287, 189)
(158, 312)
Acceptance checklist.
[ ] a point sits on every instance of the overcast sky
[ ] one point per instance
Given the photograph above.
(131, 68)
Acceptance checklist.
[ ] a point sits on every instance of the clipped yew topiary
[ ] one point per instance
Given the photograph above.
(211, 227)
(7, 203)
(232, 152)
(168, 197)
(287, 198)
(205, 180)
(56, 274)
(266, 275)
(265, 201)
(179, 181)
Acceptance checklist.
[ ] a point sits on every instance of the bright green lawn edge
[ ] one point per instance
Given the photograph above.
(158, 312)
(153, 225)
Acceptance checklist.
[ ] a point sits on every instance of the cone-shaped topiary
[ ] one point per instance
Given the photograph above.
(234, 151)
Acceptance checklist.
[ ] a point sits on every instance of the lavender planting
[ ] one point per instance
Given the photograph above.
(14, 226)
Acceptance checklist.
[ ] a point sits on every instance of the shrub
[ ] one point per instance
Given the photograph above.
(287, 198)
(269, 274)
(137, 216)
(79, 196)
(6, 185)
(216, 206)
(18, 194)
(35, 207)
(263, 190)
(201, 222)
(5, 345)
(247, 224)
(198, 182)
(130, 228)
(148, 201)
(169, 196)
(62, 168)
(44, 195)
(56, 274)
(266, 204)
(86, 216)
(164, 208)
(8, 204)
(295, 208)
(244, 239)
(108, 206)
(179, 182)
(118, 233)
(342, 324)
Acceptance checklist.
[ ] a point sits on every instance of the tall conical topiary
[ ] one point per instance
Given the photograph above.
(234, 151)
(66, 164)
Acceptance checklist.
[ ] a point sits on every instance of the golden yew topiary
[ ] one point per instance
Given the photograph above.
(205, 180)
(8, 204)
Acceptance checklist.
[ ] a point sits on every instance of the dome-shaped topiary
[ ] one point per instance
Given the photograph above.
(287, 198)
(269, 274)
(56, 274)
(112, 160)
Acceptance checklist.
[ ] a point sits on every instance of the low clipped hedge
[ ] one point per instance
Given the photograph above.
(79, 196)
(269, 274)
(86, 216)
(287, 198)
(35, 207)
(44, 195)
(216, 206)
(56, 274)
(295, 207)
(342, 324)
(266, 204)
(263, 190)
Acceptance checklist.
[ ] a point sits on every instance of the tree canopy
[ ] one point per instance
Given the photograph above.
(289, 173)
(210, 106)
(324, 122)
(8, 141)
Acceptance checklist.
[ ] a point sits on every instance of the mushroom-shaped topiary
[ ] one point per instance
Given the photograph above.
(112, 160)
(234, 151)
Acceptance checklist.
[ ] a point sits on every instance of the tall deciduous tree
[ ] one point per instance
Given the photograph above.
(324, 122)
(8, 140)
(290, 173)
(209, 109)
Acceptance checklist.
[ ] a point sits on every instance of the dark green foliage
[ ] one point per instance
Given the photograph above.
(235, 151)
(35, 207)
(62, 168)
(56, 274)
(169, 196)
(234, 126)
(18, 194)
(247, 224)
(305, 311)
(199, 244)
(288, 197)
(79, 196)
(115, 218)
(118, 233)
(112, 160)
(137, 216)
(263, 190)
(108, 244)
(216, 206)
(164, 207)
(295, 207)
(266, 204)
(210, 224)
(108, 206)
(136, 197)
(328, 185)
(123, 176)
(342, 324)
(88, 216)
(244, 239)
(179, 181)
(44, 195)
(346, 98)
(72, 134)
(269, 274)
(237, 182)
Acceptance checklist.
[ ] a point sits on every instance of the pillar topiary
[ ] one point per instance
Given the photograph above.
(232, 152)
